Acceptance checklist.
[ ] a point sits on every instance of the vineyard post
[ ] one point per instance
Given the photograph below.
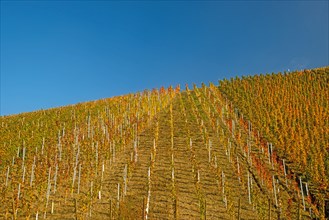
(285, 172)
(19, 191)
(149, 193)
(209, 151)
(223, 183)
(91, 197)
(48, 191)
(274, 190)
(125, 172)
(248, 151)
(23, 176)
(229, 151)
(216, 165)
(32, 172)
(7, 176)
(55, 178)
(78, 177)
(24, 149)
(135, 150)
(302, 191)
(118, 197)
(96, 172)
(113, 151)
(310, 209)
(102, 176)
(272, 161)
(73, 179)
(198, 176)
(52, 207)
(233, 128)
(238, 165)
(249, 193)
(88, 124)
(307, 192)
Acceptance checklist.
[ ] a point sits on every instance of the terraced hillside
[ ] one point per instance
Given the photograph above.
(161, 154)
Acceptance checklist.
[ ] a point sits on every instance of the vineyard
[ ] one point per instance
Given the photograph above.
(254, 147)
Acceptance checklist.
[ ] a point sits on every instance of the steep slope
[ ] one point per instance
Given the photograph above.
(291, 111)
(182, 182)
(54, 157)
(161, 154)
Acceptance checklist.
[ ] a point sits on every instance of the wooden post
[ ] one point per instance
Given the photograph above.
(249, 191)
(285, 172)
(52, 207)
(302, 191)
(274, 190)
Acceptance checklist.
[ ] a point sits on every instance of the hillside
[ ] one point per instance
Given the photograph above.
(291, 111)
(204, 153)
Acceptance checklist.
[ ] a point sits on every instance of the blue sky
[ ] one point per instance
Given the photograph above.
(55, 53)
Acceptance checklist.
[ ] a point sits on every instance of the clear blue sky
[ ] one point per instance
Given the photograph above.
(56, 53)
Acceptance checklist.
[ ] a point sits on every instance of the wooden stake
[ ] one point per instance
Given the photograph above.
(249, 193)
(302, 191)
(274, 190)
(285, 172)
(52, 207)
(7, 176)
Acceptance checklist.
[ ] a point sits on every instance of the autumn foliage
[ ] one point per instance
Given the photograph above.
(291, 110)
